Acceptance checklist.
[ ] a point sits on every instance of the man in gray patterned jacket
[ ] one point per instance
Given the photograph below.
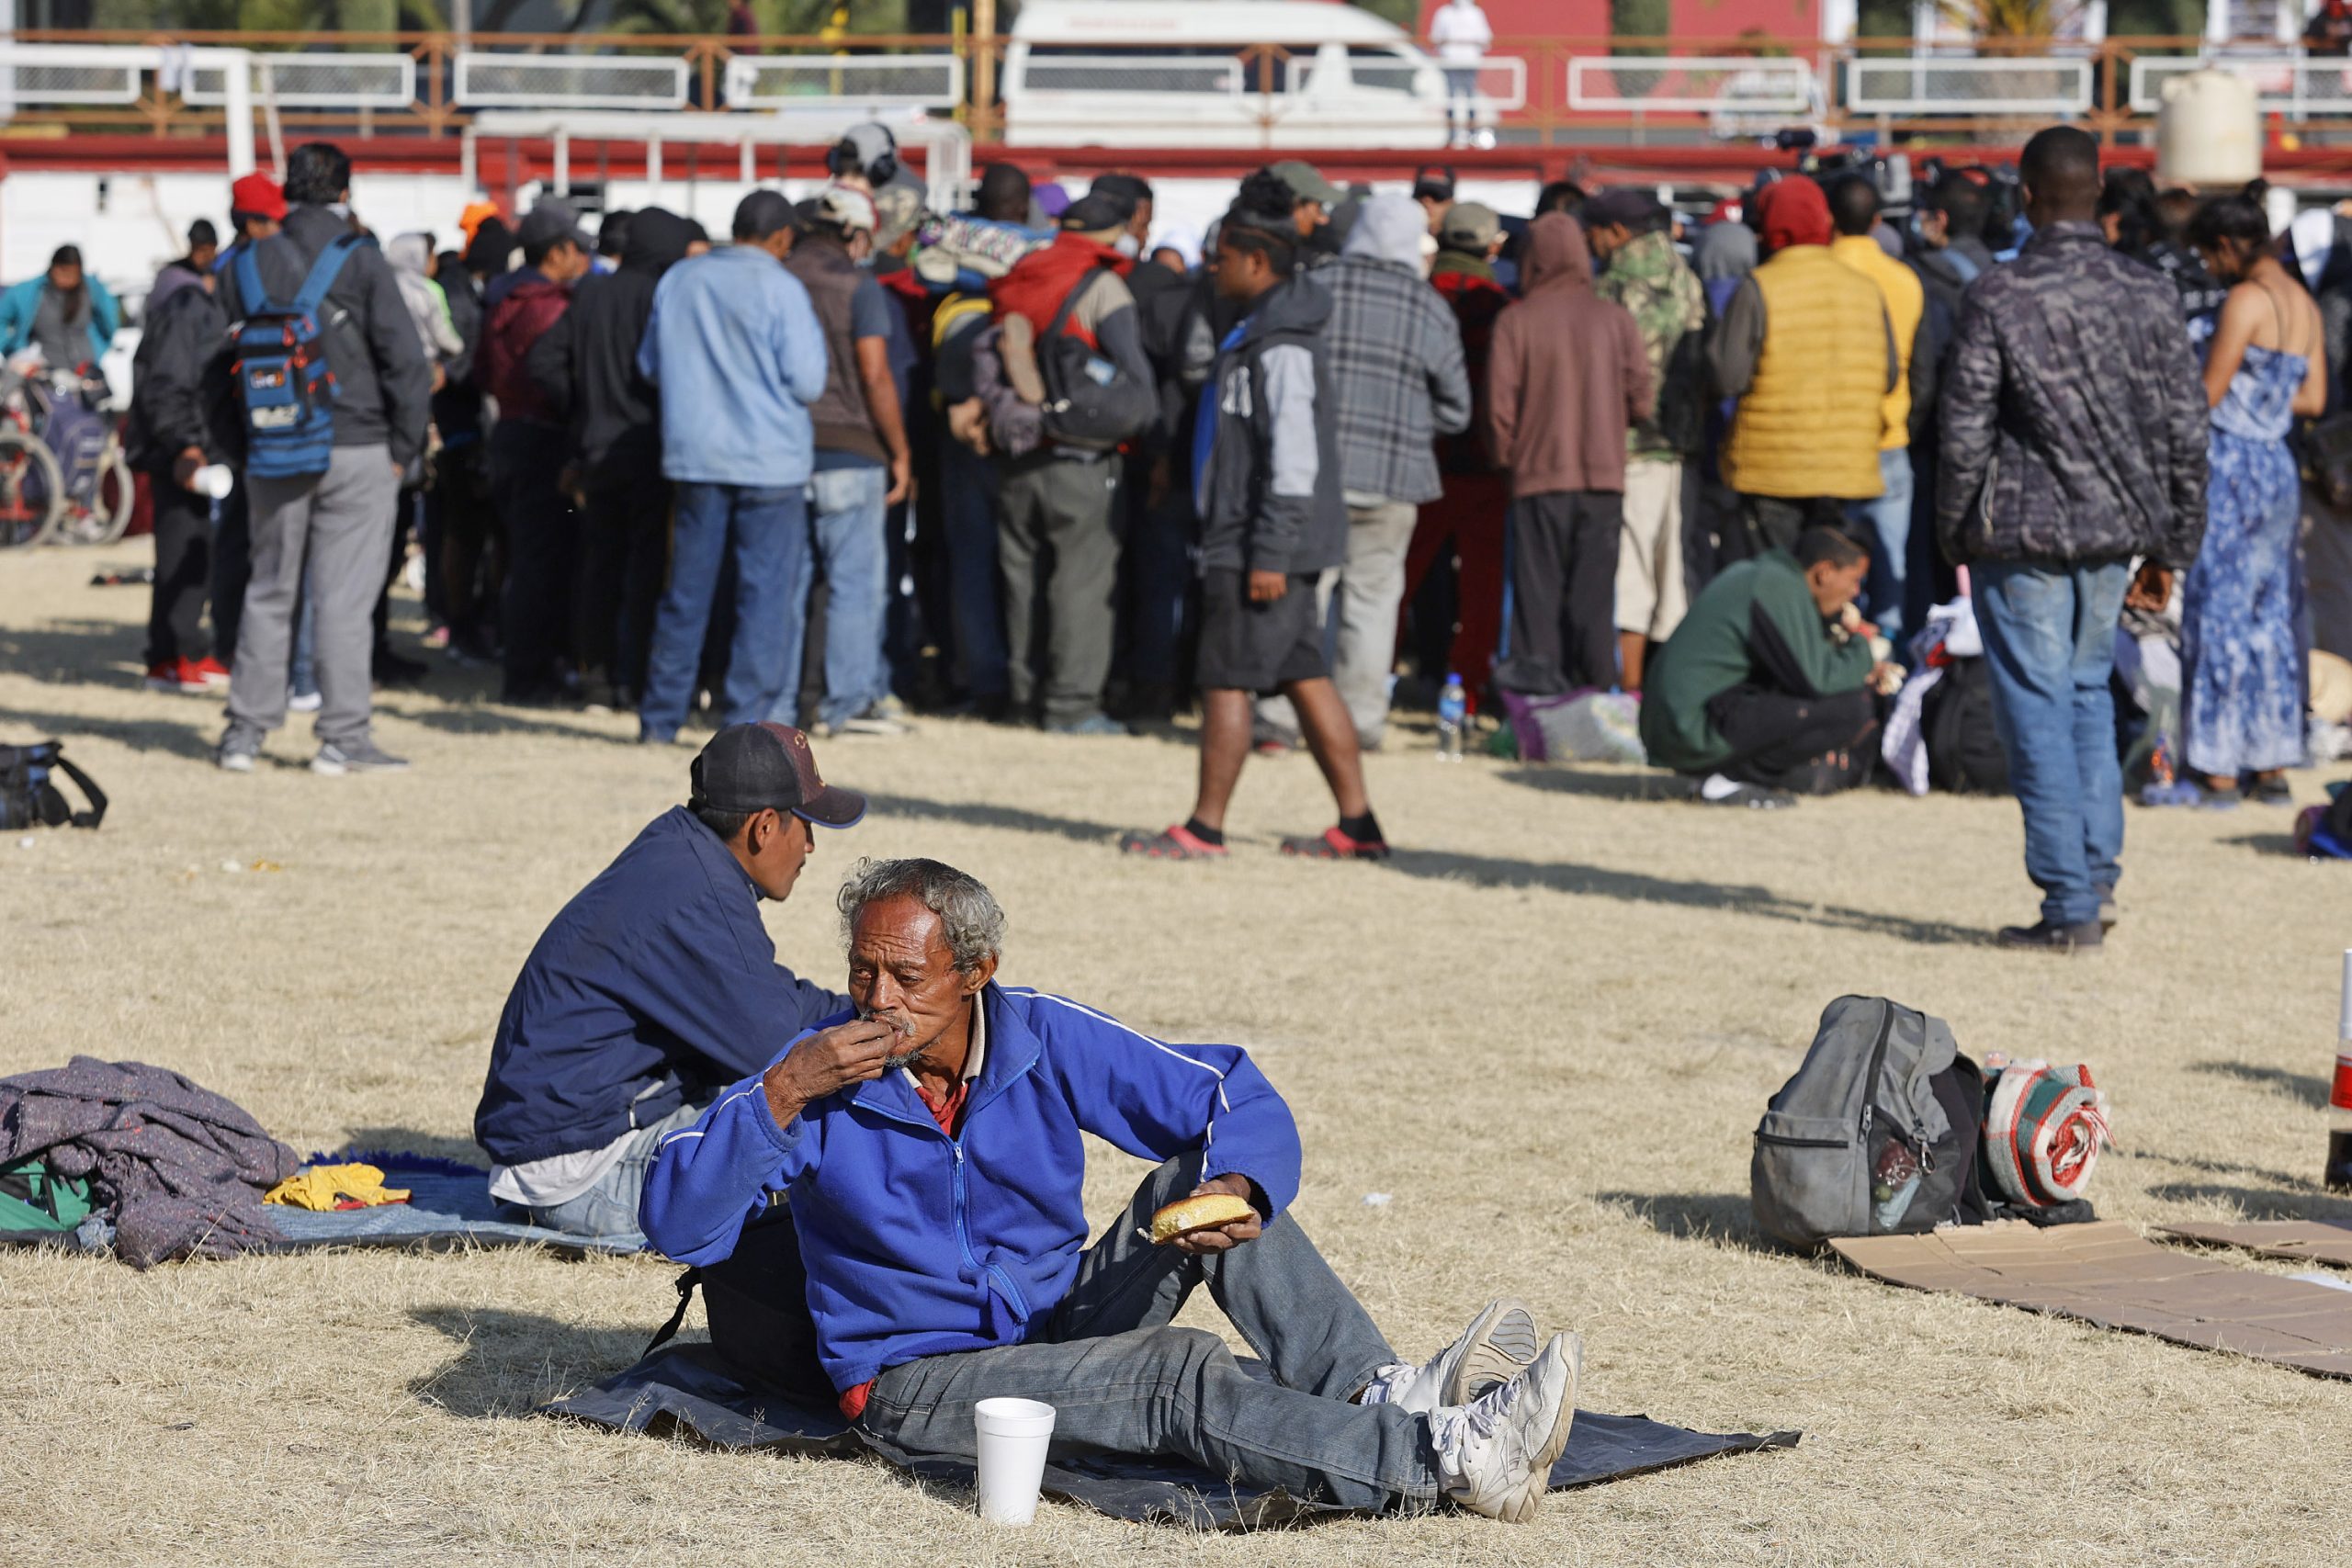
(2073, 430)
(1400, 383)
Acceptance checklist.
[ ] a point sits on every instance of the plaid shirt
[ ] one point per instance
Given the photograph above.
(1398, 372)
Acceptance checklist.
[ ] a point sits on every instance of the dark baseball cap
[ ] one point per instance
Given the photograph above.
(751, 767)
(1433, 182)
(551, 219)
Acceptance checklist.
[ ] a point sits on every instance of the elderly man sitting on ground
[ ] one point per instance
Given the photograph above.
(928, 1146)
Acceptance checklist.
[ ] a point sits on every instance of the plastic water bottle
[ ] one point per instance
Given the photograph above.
(1453, 719)
(2338, 1175)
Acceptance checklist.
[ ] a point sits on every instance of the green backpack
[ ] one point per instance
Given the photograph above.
(35, 1200)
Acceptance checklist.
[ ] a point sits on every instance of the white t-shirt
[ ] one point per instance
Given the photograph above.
(1460, 32)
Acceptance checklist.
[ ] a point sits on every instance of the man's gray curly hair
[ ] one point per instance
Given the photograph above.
(973, 922)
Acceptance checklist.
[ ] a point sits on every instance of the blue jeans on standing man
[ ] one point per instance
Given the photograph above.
(2049, 630)
(976, 612)
(846, 510)
(764, 530)
(1889, 517)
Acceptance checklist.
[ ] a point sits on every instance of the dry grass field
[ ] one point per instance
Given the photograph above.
(1546, 1027)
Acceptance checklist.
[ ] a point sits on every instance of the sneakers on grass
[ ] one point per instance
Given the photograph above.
(1718, 790)
(335, 759)
(1495, 1454)
(1499, 1342)
(238, 749)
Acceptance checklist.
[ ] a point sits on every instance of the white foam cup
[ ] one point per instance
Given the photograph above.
(1013, 1433)
(215, 479)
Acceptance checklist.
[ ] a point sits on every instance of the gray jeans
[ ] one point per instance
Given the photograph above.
(1122, 1381)
(1370, 587)
(1059, 510)
(340, 525)
(608, 1210)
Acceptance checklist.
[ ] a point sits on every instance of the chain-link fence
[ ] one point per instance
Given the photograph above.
(911, 81)
(1933, 85)
(568, 81)
(315, 81)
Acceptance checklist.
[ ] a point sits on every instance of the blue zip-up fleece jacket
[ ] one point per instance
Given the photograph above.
(921, 1244)
(734, 344)
(655, 985)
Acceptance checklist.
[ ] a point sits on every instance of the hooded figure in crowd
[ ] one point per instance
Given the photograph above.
(427, 306)
(1566, 378)
(1805, 346)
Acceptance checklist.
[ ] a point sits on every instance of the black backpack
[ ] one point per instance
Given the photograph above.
(29, 799)
(1090, 402)
(1964, 754)
(757, 1299)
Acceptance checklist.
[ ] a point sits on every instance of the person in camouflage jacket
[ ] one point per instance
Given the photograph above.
(1649, 278)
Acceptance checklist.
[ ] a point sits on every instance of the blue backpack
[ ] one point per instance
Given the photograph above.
(281, 368)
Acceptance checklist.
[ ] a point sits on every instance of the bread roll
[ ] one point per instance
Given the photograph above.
(1207, 1211)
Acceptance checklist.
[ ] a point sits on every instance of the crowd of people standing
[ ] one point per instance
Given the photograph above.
(1043, 461)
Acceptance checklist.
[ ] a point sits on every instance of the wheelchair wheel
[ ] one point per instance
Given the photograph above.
(32, 491)
(115, 498)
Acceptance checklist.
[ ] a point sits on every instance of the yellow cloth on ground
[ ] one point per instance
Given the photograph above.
(328, 1186)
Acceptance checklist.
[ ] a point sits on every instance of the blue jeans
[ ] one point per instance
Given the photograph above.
(1889, 515)
(608, 1210)
(845, 518)
(763, 531)
(2050, 645)
(976, 612)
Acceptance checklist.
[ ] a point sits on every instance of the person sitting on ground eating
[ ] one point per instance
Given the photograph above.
(656, 985)
(1766, 689)
(928, 1143)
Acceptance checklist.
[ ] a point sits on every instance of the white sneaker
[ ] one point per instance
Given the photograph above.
(1495, 1455)
(304, 701)
(1499, 1341)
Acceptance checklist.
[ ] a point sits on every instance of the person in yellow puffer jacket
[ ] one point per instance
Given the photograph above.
(1808, 352)
(1853, 208)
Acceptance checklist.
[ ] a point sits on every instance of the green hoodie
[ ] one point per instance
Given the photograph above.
(1756, 624)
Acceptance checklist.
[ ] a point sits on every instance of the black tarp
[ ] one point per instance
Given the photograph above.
(689, 1388)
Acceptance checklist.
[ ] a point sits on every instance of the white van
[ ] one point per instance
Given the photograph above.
(1178, 74)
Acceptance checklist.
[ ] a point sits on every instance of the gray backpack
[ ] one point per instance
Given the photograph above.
(1875, 1135)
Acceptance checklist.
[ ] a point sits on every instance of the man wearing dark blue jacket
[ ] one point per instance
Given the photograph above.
(928, 1141)
(655, 985)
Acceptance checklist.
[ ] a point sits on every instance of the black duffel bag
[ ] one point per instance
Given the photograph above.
(29, 794)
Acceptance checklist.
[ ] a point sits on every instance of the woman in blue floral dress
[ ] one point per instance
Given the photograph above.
(2241, 678)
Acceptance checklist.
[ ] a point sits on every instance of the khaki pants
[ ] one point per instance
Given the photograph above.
(1650, 598)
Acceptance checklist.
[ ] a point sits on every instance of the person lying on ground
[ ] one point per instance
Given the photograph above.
(1767, 689)
(656, 985)
(928, 1144)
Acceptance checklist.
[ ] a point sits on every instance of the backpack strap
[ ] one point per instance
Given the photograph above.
(669, 1331)
(1070, 303)
(323, 273)
(251, 294)
(90, 792)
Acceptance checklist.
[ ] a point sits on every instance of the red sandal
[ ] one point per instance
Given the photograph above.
(1333, 844)
(1177, 843)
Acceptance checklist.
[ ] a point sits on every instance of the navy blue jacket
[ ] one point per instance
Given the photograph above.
(655, 985)
(918, 1243)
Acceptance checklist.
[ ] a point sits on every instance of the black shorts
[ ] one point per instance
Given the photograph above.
(1257, 648)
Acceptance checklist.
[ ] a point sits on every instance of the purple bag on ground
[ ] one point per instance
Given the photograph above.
(1584, 725)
